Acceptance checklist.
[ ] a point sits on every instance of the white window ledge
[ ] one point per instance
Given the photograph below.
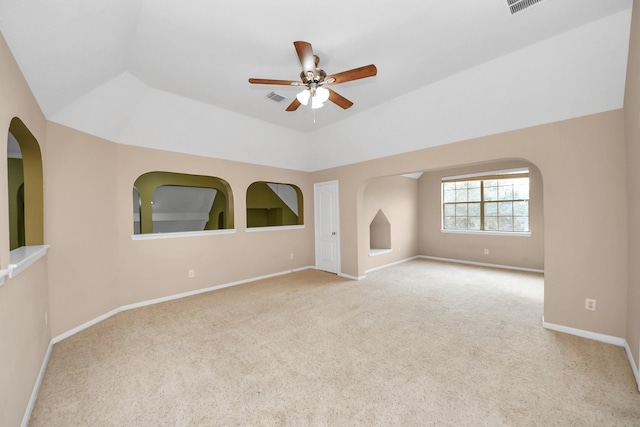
(279, 227)
(490, 233)
(21, 258)
(155, 236)
(376, 252)
(3, 274)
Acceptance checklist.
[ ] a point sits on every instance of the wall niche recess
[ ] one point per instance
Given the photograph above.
(379, 234)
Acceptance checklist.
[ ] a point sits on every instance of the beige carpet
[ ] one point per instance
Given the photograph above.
(420, 343)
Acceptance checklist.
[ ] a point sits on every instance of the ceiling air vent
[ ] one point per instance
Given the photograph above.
(518, 5)
(275, 97)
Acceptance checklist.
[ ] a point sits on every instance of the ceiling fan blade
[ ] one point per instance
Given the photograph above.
(307, 60)
(355, 74)
(275, 82)
(294, 105)
(339, 100)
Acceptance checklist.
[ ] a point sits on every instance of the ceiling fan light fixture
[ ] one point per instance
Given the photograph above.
(304, 96)
(322, 94)
(316, 103)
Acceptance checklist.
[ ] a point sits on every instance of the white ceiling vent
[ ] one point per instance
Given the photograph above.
(276, 97)
(518, 5)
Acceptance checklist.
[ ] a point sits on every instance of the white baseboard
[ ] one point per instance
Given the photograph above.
(482, 264)
(608, 339)
(36, 387)
(390, 264)
(165, 299)
(634, 366)
(348, 276)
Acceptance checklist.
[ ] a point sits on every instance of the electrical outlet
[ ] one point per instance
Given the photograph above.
(590, 304)
(192, 273)
(486, 251)
(290, 256)
(46, 318)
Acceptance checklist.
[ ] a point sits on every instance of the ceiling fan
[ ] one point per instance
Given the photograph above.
(314, 79)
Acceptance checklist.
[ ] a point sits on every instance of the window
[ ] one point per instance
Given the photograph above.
(166, 202)
(496, 201)
(272, 204)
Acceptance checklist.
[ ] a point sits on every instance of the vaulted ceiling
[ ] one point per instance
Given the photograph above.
(173, 75)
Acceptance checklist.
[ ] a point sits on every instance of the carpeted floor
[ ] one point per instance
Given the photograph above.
(420, 343)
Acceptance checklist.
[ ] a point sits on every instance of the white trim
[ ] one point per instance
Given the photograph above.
(376, 252)
(505, 172)
(607, 339)
(3, 274)
(274, 228)
(348, 276)
(634, 367)
(115, 311)
(488, 233)
(21, 258)
(36, 387)
(390, 264)
(154, 236)
(482, 264)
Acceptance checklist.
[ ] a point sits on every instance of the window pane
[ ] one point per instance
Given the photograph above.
(505, 223)
(474, 209)
(449, 196)
(461, 223)
(520, 223)
(490, 193)
(448, 186)
(461, 209)
(474, 194)
(491, 209)
(449, 210)
(505, 192)
(461, 185)
(521, 209)
(461, 195)
(490, 223)
(474, 223)
(449, 222)
(505, 208)
(521, 192)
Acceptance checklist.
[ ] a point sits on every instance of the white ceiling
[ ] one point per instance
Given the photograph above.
(173, 75)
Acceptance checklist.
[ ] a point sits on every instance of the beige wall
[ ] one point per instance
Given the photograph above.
(95, 266)
(585, 240)
(397, 197)
(514, 251)
(24, 299)
(632, 127)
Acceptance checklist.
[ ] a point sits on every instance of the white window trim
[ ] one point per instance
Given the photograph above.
(489, 233)
(156, 236)
(274, 228)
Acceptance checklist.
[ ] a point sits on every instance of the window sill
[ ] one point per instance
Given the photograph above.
(489, 233)
(376, 252)
(279, 227)
(156, 236)
(21, 258)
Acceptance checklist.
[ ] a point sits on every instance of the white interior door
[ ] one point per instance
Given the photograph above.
(327, 226)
